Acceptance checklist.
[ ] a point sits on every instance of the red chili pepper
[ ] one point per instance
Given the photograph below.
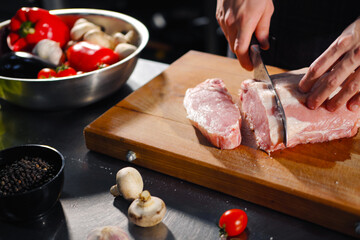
(86, 57)
(30, 25)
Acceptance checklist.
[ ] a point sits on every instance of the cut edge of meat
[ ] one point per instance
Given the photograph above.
(251, 105)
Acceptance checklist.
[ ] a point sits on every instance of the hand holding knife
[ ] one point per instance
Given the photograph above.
(261, 73)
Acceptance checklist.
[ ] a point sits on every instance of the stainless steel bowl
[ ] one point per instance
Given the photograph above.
(83, 89)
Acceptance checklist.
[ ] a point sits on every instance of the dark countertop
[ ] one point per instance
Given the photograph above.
(85, 203)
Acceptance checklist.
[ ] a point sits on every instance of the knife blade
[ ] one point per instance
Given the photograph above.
(261, 73)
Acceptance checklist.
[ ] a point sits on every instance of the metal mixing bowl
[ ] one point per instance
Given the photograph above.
(79, 90)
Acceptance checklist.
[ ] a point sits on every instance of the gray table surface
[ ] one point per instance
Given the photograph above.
(85, 203)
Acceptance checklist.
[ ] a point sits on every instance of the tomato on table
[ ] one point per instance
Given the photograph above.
(46, 73)
(233, 222)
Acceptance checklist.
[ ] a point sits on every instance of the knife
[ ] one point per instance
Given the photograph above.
(261, 73)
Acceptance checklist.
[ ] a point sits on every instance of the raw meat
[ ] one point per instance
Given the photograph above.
(304, 125)
(210, 108)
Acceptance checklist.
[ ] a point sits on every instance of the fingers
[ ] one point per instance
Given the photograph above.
(239, 20)
(325, 62)
(256, 21)
(350, 88)
(220, 16)
(354, 103)
(262, 29)
(328, 83)
(231, 29)
(241, 46)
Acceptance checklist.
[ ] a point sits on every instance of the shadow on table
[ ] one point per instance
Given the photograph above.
(50, 226)
(158, 232)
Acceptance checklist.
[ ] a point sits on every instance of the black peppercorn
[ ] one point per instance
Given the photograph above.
(24, 174)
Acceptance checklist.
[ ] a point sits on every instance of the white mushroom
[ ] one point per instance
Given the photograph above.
(108, 233)
(119, 38)
(129, 183)
(130, 36)
(49, 50)
(81, 26)
(98, 37)
(146, 211)
(124, 49)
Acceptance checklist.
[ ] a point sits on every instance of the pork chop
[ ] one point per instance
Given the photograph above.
(210, 109)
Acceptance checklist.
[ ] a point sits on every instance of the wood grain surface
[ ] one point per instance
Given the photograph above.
(315, 182)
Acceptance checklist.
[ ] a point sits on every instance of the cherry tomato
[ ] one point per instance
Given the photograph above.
(46, 73)
(233, 222)
(65, 71)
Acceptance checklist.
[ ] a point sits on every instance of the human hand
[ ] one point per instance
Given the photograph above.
(239, 19)
(338, 66)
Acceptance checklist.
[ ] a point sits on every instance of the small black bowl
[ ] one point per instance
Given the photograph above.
(36, 202)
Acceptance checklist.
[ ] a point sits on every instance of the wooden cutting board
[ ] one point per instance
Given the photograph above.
(316, 182)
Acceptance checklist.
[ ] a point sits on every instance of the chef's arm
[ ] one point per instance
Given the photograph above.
(338, 66)
(239, 19)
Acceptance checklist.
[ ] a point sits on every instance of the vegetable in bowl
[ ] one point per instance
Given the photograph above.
(83, 47)
(78, 90)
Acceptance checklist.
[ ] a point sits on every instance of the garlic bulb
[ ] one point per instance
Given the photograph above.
(49, 50)
(108, 233)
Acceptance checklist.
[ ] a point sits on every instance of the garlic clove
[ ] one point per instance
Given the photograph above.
(108, 233)
(147, 210)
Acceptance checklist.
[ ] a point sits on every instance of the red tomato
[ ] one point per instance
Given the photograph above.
(65, 71)
(46, 73)
(233, 222)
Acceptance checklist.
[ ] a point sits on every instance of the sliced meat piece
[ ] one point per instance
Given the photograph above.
(210, 108)
(304, 125)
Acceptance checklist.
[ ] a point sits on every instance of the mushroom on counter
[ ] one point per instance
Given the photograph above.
(129, 183)
(147, 210)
